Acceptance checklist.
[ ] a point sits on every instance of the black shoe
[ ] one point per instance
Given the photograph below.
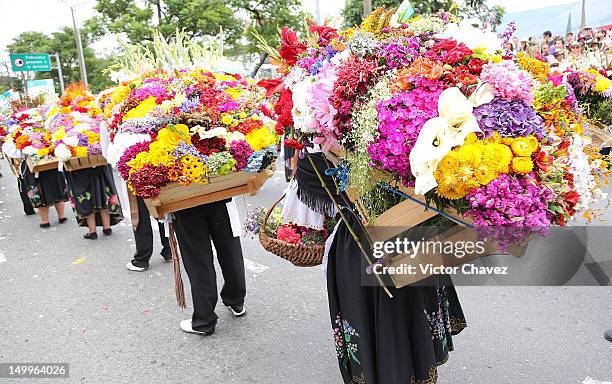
(44, 225)
(30, 213)
(107, 231)
(237, 310)
(166, 255)
(63, 220)
(608, 335)
(91, 236)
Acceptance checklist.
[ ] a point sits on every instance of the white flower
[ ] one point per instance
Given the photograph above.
(302, 113)
(476, 39)
(62, 151)
(10, 149)
(440, 134)
(233, 136)
(29, 151)
(72, 141)
(209, 134)
(121, 143)
(296, 75)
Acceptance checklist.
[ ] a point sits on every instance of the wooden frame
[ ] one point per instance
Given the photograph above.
(175, 197)
(41, 165)
(76, 163)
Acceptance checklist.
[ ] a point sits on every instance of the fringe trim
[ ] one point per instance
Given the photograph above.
(318, 203)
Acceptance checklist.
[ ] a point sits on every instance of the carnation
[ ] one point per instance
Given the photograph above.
(509, 119)
(129, 154)
(240, 151)
(508, 81)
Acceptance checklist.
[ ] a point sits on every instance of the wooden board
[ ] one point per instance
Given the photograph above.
(76, 163)
(175, 197)
(41, 165)
(437, 259)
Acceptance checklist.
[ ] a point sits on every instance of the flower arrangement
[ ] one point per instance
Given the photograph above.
(74, 124)
(437, 105)
(187, 125)
(26, 134)
(287, 232)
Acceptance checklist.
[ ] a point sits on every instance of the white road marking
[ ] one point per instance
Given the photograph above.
(589, 380)
(254, 267)
(2, 258)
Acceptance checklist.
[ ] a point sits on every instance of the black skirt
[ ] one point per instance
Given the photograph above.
(93, 190)
(45, 190)
(382, 340)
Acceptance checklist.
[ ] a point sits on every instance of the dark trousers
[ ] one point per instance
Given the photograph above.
(143, 233)
(195, 227)
(23, 193)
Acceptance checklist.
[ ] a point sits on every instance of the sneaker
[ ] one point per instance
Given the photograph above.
(186, 327)
(237, 310)
(135, 268)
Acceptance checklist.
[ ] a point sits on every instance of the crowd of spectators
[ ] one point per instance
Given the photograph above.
(589, 49)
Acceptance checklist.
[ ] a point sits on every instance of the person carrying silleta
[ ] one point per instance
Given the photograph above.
(195, 228)
(93, 197)
(143, 234)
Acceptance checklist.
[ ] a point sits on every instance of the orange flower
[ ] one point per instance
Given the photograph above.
(422, 66)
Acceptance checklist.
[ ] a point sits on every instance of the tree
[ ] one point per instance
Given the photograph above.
(139, 20)
(266, 18)
(485, 13)
(63, 42)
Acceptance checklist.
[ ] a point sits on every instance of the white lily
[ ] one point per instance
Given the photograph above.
(440, 134)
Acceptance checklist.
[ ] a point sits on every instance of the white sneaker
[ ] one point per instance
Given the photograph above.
(186, 327)
(238, 311)
(134, 268)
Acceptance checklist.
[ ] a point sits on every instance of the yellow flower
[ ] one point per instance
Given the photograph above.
(43, 152)
(524, 146)
(243, 115)
(602, 83)
(59, 134)
(497, 156)
(471, 138)
(522, 165)
(226, 119)
(484, 173)
(471, 153)
(145, 106)
(260, 138)
(92, 137)
(81, 151)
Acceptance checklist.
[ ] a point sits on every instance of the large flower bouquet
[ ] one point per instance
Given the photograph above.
(26, 134)
(594, 92)
(187, 124)
(434, 110)
(74, 124)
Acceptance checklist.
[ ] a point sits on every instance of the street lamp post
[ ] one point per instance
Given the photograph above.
(367, 7)
(79, 46)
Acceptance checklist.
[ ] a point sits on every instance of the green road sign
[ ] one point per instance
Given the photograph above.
(35, 62)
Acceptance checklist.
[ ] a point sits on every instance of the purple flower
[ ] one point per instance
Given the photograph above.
(400, 120)
(509, 119)
(240, 151)
(399, 51)
(508, 81)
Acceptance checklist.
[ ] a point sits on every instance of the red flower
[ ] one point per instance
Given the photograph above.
(293, 143)
(543, 160)
(283, 108)
(449, 51)
(287, 233)
(326, 34)
(272, 86)
(290, 46)
(208, 146)
(475, 66)
(571, 197)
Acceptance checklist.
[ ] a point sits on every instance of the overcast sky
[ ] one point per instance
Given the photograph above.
(49, 15)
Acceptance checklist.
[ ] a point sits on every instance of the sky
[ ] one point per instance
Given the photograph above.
(50, 15)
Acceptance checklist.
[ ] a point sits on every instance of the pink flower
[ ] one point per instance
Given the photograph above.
(508, 81)
(323, 111)
(288, 234)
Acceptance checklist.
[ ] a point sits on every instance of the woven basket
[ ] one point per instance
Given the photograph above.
(298, 254)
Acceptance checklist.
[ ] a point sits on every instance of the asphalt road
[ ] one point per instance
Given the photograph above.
(65, 299)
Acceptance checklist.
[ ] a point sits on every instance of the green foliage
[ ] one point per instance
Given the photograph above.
(139, 20)
(63, 42)
(483, 12)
